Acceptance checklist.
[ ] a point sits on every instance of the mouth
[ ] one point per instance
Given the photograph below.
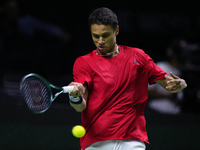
(101, 48)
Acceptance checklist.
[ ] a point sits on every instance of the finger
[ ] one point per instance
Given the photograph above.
(72, 83)
(174, 88)
(79, 89)
(75, 91)
(174, 76)
(168, 77)
(169, 87)
(82, 89)
(175, 81)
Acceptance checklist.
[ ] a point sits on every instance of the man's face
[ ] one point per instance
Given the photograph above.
(104, 37)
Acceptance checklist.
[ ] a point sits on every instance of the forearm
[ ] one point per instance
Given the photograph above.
(79, 107)
(78, 97)
(162, 82)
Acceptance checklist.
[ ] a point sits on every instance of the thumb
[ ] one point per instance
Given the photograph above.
(168, 77)
(174, 76)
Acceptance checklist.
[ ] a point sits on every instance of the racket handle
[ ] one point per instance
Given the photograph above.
(67, 89)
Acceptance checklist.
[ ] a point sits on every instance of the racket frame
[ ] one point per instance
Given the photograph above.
(49, 86)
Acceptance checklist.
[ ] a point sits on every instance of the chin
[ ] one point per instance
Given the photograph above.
(103, 51)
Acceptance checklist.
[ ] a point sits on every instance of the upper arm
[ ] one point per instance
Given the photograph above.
(85, 95)
(82, 72)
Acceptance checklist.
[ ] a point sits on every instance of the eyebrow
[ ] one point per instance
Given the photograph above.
(102, 33)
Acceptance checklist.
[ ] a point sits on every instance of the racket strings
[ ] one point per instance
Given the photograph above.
(36, 94)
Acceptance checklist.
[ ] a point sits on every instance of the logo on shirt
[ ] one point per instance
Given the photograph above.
(135, 61)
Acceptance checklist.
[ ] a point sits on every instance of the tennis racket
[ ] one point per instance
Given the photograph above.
(37, 92)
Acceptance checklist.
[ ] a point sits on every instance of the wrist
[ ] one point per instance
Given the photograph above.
(76, 100)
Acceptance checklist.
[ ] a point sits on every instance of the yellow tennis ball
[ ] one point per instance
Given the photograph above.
(78, 131)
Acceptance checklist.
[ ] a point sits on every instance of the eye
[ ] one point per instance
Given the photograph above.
(95, 36)
(105, 35)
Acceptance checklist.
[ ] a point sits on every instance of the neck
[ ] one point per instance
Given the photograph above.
(113, 53)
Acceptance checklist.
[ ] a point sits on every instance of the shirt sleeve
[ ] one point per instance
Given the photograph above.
(82, 72)
(154, 71)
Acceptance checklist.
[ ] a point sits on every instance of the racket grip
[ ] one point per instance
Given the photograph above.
(67, 89)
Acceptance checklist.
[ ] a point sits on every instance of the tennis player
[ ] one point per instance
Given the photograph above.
(111, 88)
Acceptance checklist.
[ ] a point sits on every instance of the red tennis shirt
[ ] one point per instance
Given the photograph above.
(118, 93)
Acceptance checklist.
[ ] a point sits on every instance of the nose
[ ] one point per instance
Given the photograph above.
(101, 40)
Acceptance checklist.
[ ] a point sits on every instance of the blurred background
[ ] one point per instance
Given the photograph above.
(46, 37)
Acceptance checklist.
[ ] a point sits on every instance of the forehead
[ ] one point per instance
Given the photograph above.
(98, 29)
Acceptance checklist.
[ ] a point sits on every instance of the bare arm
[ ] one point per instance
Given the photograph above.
(172, 84)
(79, 90)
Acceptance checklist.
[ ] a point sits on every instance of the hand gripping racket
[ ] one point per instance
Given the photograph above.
(37, 92)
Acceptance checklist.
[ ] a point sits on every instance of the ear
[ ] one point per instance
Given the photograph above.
(117, 31)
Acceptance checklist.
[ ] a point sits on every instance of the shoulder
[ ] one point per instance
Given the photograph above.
(128, 49)
(87, 56)
(85, 60)
(135, 52)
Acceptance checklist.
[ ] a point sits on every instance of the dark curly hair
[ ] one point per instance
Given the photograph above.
(103, 16)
